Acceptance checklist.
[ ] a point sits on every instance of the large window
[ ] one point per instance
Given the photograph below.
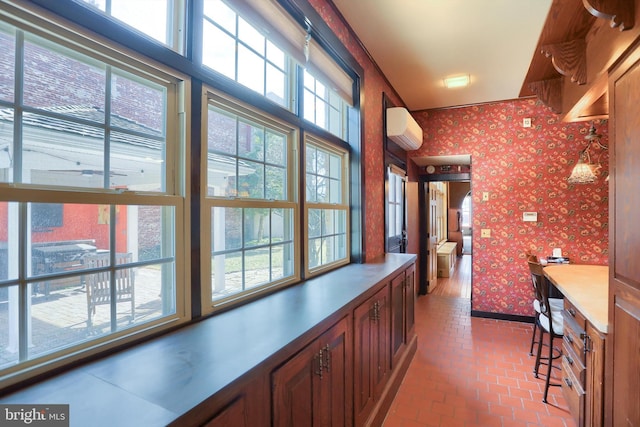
(326, 205)
(250, 200)
(92, 198)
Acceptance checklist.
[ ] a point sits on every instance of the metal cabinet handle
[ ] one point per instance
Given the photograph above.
(572, 312)
(568, 382)
(569, 359)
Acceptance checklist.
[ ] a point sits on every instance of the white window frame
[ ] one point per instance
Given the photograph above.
(342, 206)
(219, 100)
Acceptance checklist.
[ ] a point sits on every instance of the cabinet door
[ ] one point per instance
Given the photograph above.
(622, 386)
(410, 301)
(363, 361)
(334, 406)
(381, 349)
(397, 317)
(594, 406)
(294, 389)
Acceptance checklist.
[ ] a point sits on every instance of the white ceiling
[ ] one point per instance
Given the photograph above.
(416, 43)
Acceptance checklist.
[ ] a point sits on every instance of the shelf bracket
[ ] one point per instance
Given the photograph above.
(621, 13)
(569, 59)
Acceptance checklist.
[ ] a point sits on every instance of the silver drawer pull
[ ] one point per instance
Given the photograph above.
(569, 360)
(569, 338)
(568, 382)
(572, 312)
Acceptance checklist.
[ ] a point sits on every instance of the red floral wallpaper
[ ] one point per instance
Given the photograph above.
(523, 170)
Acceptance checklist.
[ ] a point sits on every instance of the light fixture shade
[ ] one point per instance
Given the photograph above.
(457, 81)
(582, 173)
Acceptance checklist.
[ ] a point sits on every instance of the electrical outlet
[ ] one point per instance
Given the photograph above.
(526, 122)
(485, 232)
(485, 196)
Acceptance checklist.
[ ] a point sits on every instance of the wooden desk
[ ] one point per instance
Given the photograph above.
(587, 287)
(585, 314)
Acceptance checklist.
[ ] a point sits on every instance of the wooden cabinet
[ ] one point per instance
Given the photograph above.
(313, 387)
(371, 353)
(583, 367)
(402, 313)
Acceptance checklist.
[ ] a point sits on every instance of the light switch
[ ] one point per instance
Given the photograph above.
(485, 196)
(485, 232)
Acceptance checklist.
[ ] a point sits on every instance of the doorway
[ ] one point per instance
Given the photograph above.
(446, 224)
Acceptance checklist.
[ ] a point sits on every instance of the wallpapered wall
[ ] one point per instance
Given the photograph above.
(523, 170)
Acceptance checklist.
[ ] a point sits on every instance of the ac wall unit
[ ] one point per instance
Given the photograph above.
(403, 129)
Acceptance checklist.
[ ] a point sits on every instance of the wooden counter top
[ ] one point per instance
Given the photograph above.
(587, 287)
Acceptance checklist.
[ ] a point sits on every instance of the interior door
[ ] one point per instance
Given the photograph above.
(622, 379)
(432, 237)
(396, 216)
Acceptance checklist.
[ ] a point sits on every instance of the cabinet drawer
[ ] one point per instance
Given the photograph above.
(573, 393)
(574, 363)
(575, 314)
(574, 335)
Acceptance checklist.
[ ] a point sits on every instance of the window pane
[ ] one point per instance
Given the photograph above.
(312, 193)
(251, 69)
(256, 264)
(309, 106)
(62, 236)
(148, 16)
(315, 222)
(219, 50)
(252, 185)
(9, 332)
(251, 37)
(7, 64)
(335, 191)
(276, 56)
(221, 14)
(276, 84)
(8, 243)
(250, 141)
(6, 145)
(142, 231)
(315, 252)
(276, 183)
(257, 228)
(57, 82)
(281, 261)
(226, 229)
(221, 131)
(65, 154)
(138, 105)
(226, 275)
(276, 146)
(137, 163)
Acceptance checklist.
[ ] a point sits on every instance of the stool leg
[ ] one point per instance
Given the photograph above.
(546, 382)
(539, 352)
(533, 338)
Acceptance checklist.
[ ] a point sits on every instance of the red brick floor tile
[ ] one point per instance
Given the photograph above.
(473, 372)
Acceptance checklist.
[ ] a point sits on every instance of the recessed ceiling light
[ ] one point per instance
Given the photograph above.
(457, 81)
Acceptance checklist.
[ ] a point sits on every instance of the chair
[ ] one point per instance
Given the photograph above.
(98, 284)
(556, 303)
(549, 320)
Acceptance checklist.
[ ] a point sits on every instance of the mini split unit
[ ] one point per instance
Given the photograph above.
(403, 129)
